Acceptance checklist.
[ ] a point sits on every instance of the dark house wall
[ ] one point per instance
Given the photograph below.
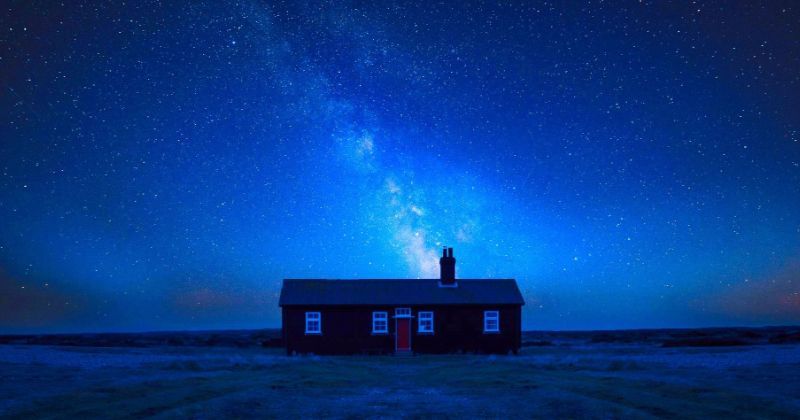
(460, 328)
(348, 330)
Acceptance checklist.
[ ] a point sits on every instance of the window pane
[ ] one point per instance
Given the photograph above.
(380, 322)
(491, 321)
(313, 322)
(425, 322)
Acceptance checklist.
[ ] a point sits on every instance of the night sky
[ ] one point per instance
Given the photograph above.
(166, 165)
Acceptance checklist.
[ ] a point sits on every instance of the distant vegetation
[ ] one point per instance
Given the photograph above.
(226, 338)
(271, 338)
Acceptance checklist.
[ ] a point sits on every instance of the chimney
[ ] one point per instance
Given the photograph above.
(447, 267)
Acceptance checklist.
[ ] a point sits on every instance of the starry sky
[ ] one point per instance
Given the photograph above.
(163, 165)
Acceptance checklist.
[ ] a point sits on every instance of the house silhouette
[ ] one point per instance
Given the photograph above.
(402, 316)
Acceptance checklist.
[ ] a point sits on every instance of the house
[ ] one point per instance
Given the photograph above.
(402, 316)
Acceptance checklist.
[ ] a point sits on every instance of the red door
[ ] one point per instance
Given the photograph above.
(403, 334)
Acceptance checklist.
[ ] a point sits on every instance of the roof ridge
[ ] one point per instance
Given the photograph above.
(398, 291)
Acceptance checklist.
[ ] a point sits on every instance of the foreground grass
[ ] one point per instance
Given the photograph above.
(557, 382)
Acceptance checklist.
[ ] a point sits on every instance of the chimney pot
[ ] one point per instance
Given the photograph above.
(447, 268)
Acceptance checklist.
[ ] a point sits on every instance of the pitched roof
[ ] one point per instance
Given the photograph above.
(399, 292)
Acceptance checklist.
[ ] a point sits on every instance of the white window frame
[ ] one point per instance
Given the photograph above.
(377, 317)
(310, 318)
(424, 319)
(491, 316)
(402, 313)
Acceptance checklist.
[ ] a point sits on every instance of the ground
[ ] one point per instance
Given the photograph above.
(562, 378)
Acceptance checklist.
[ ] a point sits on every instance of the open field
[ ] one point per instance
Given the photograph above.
(602, 374)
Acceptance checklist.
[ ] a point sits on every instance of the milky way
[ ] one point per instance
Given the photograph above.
(165, 165)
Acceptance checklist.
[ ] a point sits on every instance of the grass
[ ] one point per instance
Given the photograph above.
(631, 374)
(545, 382)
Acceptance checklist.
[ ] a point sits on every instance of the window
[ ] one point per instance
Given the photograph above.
(491, 321)
(425, 322)
(380, 323)
(402, 313)
(313, 323)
